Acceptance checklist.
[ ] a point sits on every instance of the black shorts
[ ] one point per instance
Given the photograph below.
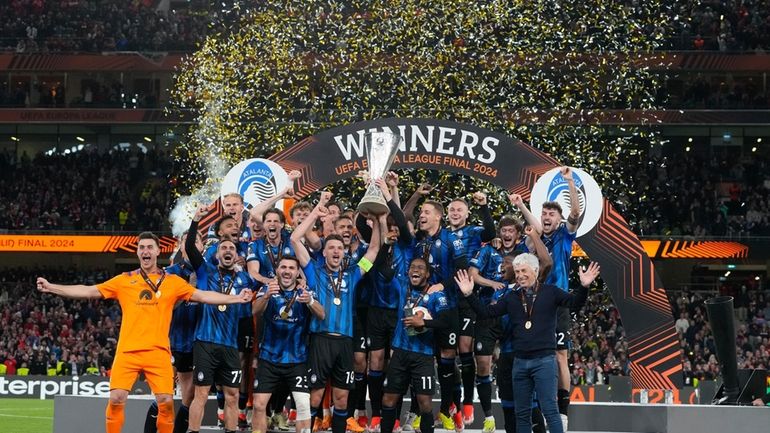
(330, 357)
(504, 377)
(380, 325)
(182, 361)
(359, 330)
(270, 377)
(410, 368)
(246, 335)
(563, 325)
(466, 319)
(215, 363)
(446, 338)
(487, 334)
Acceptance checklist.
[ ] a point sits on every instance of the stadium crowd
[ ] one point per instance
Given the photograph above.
(720, 25)
(54, 336)
(83, 191)
(29, 26)
(113, 25)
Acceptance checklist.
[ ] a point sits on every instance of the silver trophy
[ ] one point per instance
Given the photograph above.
(381, 148)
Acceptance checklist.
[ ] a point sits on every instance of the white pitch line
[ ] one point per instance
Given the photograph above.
(26, 416)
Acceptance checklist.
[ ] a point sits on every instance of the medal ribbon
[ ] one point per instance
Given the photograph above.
(422, 295)
(149, 282)
(230, 286)
(523, 297)
(291, 301)
(273, 259)
(336, 285)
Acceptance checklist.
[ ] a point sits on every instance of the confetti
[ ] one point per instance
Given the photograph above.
(281, 71)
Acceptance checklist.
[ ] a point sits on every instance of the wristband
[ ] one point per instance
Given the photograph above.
(312, 301)
(365, 264)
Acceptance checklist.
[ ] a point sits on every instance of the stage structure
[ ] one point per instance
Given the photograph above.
(636, 290)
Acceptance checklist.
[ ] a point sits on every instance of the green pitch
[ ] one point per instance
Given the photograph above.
(26, 415)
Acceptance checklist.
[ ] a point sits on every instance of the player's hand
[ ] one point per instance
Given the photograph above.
(201, 212)
(464, 282)
(363, 175)
(245, 296)
(383, 186)
(424, 189)
(531, 232)
(326, 196)
(240, 261)
(272, 288)
(758, 402)
(321, 211)
(496, 243)
(304, 296)
(43, 285)
(479, 198)
(516, 200)
(294, 175)
(589, 274)
(498, 285)
(415, 321)
(436, 288)
(566, 173)
(392, 179)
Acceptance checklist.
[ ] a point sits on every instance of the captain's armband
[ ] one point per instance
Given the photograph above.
(365, 264)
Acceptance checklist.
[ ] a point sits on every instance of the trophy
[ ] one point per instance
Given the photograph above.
(381, 148)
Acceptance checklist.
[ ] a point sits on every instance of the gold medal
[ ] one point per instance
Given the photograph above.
(337, 301)
(222, 308)
(284, 313)
(157, 294)
(528, 324)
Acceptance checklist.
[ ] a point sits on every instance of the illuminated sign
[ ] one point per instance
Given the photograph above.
(686, 249)
(76, 244)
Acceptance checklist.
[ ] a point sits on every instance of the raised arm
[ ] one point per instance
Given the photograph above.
(196, 259)
(465, 284)
(392, 180)
(541, 251)
(256, 212)
(487, 221)
(573, 220)
(404, 235)
(302, 230)
(421, 191)
(374, 245)
(364, 231)
(312, 239)
(76, 291)
(587, 277)
(517, 201)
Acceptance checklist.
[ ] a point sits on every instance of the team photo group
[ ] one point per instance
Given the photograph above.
(324, 317)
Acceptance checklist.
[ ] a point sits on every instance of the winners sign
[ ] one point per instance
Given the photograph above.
(434, 144)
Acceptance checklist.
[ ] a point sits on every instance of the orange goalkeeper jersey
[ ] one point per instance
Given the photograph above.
(146, 316)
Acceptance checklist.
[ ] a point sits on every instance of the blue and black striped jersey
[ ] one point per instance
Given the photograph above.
(435, 303)
(339, 318)
(267, 255)
(185, 315)
(559, 245)
(384, 292)
(284, 340)
(441, 252)
(214, 325)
